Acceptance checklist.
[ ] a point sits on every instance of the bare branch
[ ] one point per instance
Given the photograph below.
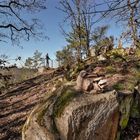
(15, 22)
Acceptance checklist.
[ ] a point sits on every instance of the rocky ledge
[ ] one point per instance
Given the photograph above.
(90, 109)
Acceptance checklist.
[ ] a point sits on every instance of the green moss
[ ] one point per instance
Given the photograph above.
(135, 113)
(124, 122)
(117, 54)
(43, 107)
(136, 74)
(127, 84)
(118, 86)
(130, 85)
(125, 108)
(110, 69)
(67, 95)
(135, 110)
(137, 52)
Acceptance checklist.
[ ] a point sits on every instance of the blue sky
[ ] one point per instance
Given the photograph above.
(51, 18)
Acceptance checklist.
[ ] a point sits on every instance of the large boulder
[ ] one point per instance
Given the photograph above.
(68, 114)
(89, 117)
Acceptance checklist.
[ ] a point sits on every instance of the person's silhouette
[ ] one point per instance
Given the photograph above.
(47, 60)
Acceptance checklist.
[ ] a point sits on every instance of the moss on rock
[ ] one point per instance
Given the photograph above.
(135, 109)
(110, 69)
(125, 108)
(129, 108)
(66, 96)
(127, 84)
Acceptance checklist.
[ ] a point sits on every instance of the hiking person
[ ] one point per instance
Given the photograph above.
(47, 60)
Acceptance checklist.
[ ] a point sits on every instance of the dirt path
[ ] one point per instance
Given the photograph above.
(16, 104)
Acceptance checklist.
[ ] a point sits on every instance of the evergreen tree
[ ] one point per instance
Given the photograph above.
(102, 43)
(36, 61)
(65, 57)
(29, 63)
(77, 45)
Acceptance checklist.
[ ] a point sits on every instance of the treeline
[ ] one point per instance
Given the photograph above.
(35, 61)
(74, 53)
(83, 17)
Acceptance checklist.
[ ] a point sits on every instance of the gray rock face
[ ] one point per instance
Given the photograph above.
(81, 117)
(89, 117)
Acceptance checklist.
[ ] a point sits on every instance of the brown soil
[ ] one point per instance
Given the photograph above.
(18, 101)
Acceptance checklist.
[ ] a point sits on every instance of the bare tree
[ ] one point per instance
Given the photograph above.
(76, 13)
(17, 19)
(132, 22)
(123, 11)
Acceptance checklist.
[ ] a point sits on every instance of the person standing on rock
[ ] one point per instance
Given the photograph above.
(47, 60)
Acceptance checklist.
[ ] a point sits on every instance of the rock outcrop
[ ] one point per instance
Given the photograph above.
(70, 115)
(94, 83)
(88, 116)
(90, 109)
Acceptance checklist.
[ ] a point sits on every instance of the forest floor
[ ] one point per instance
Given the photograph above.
(17, 102)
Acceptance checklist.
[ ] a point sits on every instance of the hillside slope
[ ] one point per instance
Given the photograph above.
(17, 102)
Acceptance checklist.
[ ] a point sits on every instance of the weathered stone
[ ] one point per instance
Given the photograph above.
(83, 73)
(85, 117)
(80, 79)
(103, 81)
(83, 83)
(96, 87)
(93, 75)
(97, 79)
(87, 85)
(102, 86)
(114, 79)
(34, 126)
(93, 92)
(98, 70)
(90, 117)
